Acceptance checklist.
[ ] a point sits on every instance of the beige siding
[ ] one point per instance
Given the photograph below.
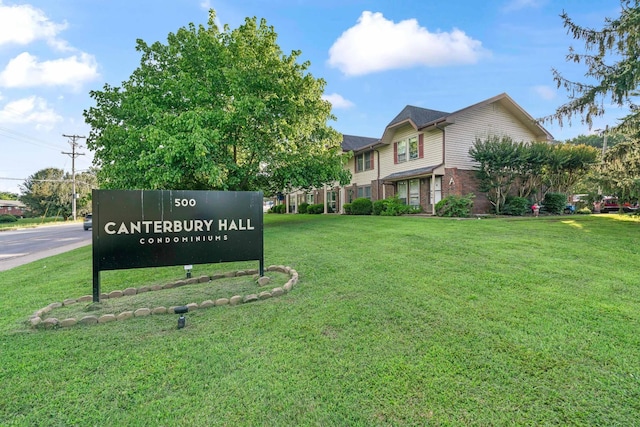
(364, 177)
(432, 152)
(488, 120)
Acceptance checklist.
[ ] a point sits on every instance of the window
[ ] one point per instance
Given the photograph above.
(364, 192)
(414, 192)
(310, 199)
(413, 148)
(402, 191)
(402, 151)
(408, 149)
(331, 201)
(364, 161)
(409, 192)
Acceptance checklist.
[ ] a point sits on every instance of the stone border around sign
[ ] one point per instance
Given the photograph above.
(36, 320)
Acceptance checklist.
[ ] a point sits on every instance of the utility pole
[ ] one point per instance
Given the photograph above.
(604, 141)
(74, 146)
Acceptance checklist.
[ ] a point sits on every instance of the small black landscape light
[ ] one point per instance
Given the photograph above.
(180, 309)
(182, 321)
(188, 269)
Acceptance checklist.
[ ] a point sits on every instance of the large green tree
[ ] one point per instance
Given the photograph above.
(49, 192)
(526, 168)
(597, 140)
(612, 58)
(211, 109)
(500, 162)
(620, 171)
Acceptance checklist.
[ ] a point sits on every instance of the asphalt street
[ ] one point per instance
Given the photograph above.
(22, 246)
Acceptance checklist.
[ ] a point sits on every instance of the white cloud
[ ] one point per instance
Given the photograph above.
(25, 71)
(33, 110)
(205, 4)
(337, 101)
(545, 92)
(24, 24)
(377, 44)
(513, 5)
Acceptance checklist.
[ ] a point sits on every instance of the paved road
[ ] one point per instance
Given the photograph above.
(26, 245)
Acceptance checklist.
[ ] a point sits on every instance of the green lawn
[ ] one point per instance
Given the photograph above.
(395, 321)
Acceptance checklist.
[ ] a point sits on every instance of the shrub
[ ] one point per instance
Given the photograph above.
(317, 208)
(584, 211)
(361, 206)
(455, 206)
(393, 206)
(378, 207)
(7, 218)
(302, 207)
(347, 208)
(516, 206)
(554, 202)
(279, 209)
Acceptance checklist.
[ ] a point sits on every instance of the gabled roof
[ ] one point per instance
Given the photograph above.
(417, 116)
(357, 143)
(421, 118)
(510, 105)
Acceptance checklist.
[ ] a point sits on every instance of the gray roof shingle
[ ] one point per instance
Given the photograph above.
(355, 143)
(419, 116)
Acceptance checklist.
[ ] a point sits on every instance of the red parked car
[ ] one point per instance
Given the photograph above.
(611, 204)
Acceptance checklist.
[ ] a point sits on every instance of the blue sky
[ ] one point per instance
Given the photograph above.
(376, 57)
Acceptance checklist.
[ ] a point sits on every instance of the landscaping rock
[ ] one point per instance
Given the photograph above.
(222, 301)
(264, 280)
(68, 322)
(130, 291)
(144, 289)
(55, 305)
(192, 306)
(125, 315)
(85, 298)
(142, 312)
(264, 295)
(89, 320)
(217, 276)
(159, 310)
(107, 318)
(250, 298)
(276, 292)
(203, 279)
(230, 274)
(168, 286)
(156, 287)
(235, 300)
(206, 304)
(287, 286)
(192, 281)
(115, 294)
(35, 321)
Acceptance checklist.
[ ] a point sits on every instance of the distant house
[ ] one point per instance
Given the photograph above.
(12, 207)
(423, 155)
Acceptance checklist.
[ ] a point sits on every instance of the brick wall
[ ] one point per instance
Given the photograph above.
(461, 182)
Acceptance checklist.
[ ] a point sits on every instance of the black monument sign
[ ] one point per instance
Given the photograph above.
(153, 228)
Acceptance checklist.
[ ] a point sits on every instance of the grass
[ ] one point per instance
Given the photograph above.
(395, 321)
(30, 222)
